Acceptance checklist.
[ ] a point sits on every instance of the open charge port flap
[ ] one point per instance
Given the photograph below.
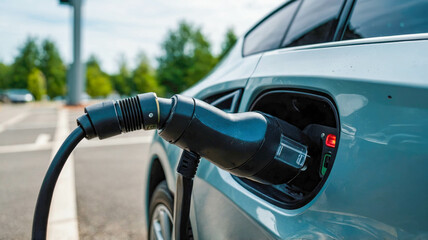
(316, 116)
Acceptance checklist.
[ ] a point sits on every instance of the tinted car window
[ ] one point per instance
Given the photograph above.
(376, 18)
(314, 23)
(269, 33)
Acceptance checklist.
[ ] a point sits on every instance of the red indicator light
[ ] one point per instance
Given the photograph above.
(330, 141)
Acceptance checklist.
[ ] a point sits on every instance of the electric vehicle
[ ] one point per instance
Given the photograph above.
(356, 67)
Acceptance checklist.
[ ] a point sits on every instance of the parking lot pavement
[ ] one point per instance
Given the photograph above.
(20, 178)
(106, 209)
(103, 184)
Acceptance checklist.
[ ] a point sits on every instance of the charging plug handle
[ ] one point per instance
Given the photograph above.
(253, 145)
(186, 170)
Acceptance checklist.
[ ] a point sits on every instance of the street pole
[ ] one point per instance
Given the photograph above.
(75, 78)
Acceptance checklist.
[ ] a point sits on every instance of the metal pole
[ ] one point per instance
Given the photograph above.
(75, 82)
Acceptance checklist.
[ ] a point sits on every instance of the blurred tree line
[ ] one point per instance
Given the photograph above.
(38, 69)
(185, 59)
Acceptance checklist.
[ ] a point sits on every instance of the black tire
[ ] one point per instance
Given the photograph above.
(161, 196)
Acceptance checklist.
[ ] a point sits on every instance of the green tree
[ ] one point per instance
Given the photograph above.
(4, 75)
(186, 58)
(97, 82)
(36, 84)
(53, 68)
(122, 81)
(25, 62)
(144, 77)
(228, 42)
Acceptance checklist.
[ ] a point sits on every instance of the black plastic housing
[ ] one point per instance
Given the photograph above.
(245, 144)
(111, 118)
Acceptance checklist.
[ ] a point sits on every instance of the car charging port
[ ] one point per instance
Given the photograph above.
(316, 115)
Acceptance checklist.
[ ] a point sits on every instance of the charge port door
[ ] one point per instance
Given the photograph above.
(316, 115)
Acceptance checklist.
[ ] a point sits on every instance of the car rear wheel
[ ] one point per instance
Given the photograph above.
(161, 211)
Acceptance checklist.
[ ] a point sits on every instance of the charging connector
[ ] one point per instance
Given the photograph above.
(252, 145)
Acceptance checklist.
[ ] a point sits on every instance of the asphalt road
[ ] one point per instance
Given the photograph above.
(106, 186)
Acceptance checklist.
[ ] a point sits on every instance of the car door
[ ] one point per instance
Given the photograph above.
(373, 93)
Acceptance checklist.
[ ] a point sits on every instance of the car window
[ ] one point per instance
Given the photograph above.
(376, 18)
(268, 34)
(315, 22)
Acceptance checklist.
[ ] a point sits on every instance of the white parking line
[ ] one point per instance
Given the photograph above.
(42, 139)
(13, 120)
(116, 141)
(32, 126)
(84, 144)
(24, 148)
(63, 213)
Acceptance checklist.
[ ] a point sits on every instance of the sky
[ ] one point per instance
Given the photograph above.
(114, 28)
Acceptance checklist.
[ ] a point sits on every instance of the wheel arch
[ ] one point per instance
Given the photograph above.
(157, 169)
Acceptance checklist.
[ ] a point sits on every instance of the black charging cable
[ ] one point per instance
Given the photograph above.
(41, 214)
(186, 170)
